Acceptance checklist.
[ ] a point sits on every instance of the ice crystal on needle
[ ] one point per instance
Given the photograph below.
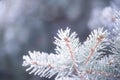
(73, 60)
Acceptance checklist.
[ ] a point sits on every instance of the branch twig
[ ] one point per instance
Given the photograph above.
(99, 39)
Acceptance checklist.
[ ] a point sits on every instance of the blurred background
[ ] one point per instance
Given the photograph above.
(31, 25)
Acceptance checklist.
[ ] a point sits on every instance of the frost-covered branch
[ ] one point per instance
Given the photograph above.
(61, 63)
(73, 60)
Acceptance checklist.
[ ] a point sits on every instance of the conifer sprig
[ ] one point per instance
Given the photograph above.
(72, 59)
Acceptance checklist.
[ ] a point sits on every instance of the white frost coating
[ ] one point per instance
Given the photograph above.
(73, 60)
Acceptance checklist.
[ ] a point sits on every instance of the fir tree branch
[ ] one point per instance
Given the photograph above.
(70, 50)
(73, 60)
(99, 39)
